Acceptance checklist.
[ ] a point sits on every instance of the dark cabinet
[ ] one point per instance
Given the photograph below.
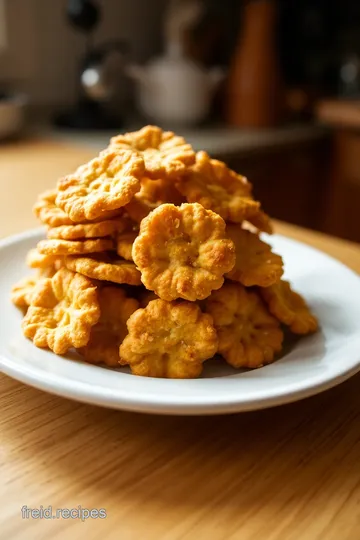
(291, 182)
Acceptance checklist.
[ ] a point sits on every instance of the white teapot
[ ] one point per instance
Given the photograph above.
(173, 89)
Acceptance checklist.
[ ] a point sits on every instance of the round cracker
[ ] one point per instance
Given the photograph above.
(47, 212)
(183, 252)
(22, 291)
(108, 334)
(255, 263)
(249, 336)
(165, 154)
(212, 184)
(72, 247)
(107, 182)
(88, 230)
(104, 268)
(62, 311)
(35, 259)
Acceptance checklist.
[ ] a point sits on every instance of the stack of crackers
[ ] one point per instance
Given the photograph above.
(153, 259)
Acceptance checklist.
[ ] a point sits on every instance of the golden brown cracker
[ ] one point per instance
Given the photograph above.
(105, 268)
(47, 212)
(108, 334)
(35, 259)
(153, 193)
(211, 183)
(58, 247)
(165, 154)
(168, 339)
(88, 230)
(289, 308)
(255, 262)
(106, 183)
(62, 311)
(22, 291)
(183, 252)
(248, 335)
(124, 244)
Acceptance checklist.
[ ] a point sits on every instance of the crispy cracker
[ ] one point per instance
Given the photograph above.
(168, 339)
(106, 183)
(88, 230)
(35, 259)
(289, 308)
(108, 334)
(58, 247)
(153, 193)
(47, 212)
(124, 244)
(22, 291)
(62, 311)
(183, 252)
(255, 263)
(105, 268)
(248, 335)
(165, 154)
(211, 183)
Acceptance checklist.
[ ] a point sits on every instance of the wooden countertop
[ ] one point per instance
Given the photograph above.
(287, 473)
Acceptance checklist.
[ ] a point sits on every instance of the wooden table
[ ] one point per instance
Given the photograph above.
(287, 473)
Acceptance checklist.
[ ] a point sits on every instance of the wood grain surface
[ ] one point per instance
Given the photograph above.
(287, 473)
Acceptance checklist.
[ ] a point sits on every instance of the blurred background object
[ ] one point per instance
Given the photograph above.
(254, 81)
(12, 114)
(174, 89)
(271, 86)
(102, 75)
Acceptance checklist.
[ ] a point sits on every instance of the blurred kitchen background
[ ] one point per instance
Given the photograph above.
(272, 87)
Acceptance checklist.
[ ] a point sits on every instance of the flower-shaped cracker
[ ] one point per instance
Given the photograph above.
(107, 182)
(255, 263)
(152, 194)
(168, 340)
(105, 268)
(211, 183)
(183, 252)
(166, 155)
(46, 265)
(248, 335)
(108, 334)
(62, 311)
(35, 259)
(46, 210)
(289, 308)
(22, 291)
(50, 271)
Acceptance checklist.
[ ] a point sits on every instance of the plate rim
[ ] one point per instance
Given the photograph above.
(82, 391)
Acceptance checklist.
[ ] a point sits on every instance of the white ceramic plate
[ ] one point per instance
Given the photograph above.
(309, 365)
